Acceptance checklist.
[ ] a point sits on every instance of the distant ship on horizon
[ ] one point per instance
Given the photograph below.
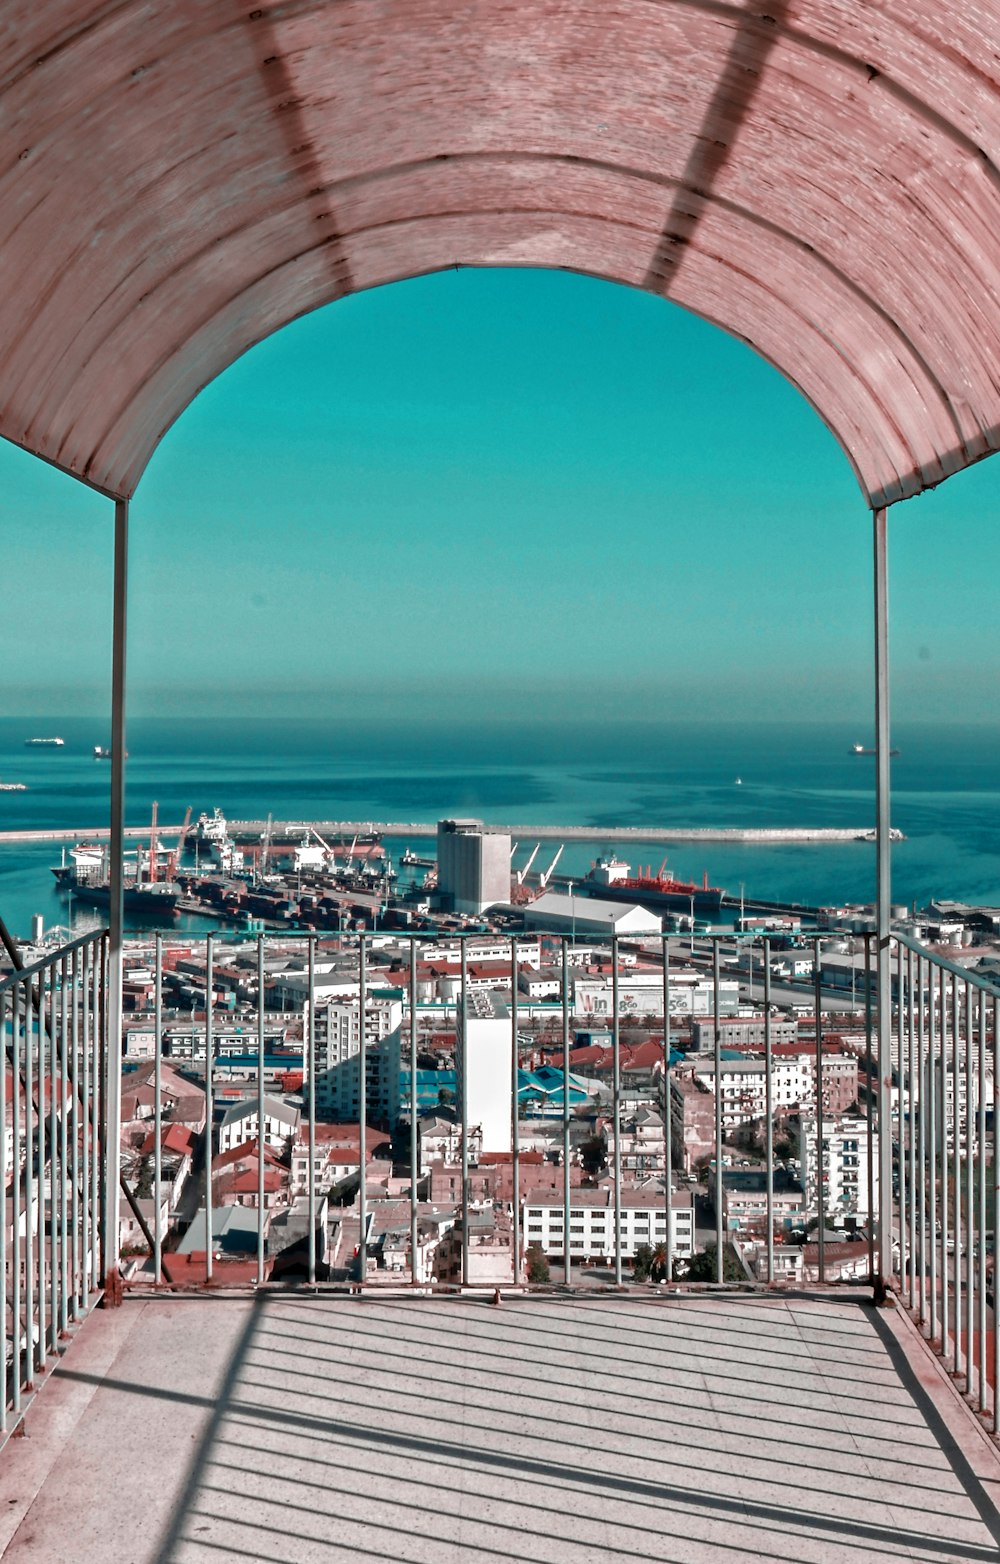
(861, 749)
(44, 743)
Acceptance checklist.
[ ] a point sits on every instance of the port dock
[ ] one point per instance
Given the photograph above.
(539, 833)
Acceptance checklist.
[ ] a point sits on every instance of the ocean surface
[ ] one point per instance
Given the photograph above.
(946, 793)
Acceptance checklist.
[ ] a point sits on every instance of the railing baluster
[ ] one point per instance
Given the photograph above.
(515, 1115)
(414, 1162)
(261, 1110)
(957, 1180)
(996, 1215)
(74, 1138)
(981, 1183)
(86, 1207)
(932, 1133)
(900, 1119)
(55, 1167)
(943, 1132)
(65, 1270)
(768, 1104)
(157, 1114)
(4, 1383)
(17, 1251)
(209, 1103)
(668, 1126)
(567, 1262)
(462, 1042)
(910, 1140)
(29, 1182)
(309, 1043)
(970, 1197)
(919, 1075)
(616, 1088)
(363, 1112)
(872, 1093)
(719, 1271)
(820, 1158)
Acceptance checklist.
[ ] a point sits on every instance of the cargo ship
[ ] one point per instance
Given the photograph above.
(44, 743)
(613, 880)
(87, 877)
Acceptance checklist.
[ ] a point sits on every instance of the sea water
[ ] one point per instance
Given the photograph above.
(945, 783)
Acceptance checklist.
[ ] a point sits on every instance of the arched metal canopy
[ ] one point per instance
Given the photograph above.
(179, 178)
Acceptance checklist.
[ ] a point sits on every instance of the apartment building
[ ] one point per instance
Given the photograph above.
(592, 1222)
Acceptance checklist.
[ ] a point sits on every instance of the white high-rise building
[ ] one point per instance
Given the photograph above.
(846, 1190)
(473, 865)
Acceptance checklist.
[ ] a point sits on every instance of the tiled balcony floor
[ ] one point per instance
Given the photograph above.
(298, 1428)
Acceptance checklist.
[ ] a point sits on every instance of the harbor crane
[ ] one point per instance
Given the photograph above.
(173, 862)
(543, 879)
(522, 874)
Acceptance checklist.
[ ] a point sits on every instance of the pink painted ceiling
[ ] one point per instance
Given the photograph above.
(179, 178)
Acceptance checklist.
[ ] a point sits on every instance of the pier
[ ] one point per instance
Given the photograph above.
(539, 833)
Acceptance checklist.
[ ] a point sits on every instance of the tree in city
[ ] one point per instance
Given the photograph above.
(642, 1263)
(537, 1266)
(701, 1267)
(658, 1269)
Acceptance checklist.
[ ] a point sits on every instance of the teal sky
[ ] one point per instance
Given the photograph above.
(491, 492)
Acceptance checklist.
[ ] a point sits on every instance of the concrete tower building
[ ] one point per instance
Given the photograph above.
(473, 865)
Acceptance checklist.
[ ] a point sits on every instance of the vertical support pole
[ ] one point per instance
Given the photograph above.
(65, 1188)
(310, 1046)
(567, 1262)
(77, 1195)
(616, 1109)
(970, 1190)
(111, 1170)
(86, 1138)
(30, 1210)
(911, 1138)
(768, 1105)
(668, 1124)
(900, 1163)
(414, 1160)
(870, 1093)
(362, 1112)
(515, 1127)
(919, 1074)
(956, 1011)
(883, 895)
(209, 1099)
(463, 1042)
(719, 1185)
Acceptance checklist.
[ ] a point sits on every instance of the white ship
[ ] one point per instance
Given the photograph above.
(44, 743)
(13, 787)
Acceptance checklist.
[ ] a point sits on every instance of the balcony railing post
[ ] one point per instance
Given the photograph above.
(567, 1263)
(768, 1105)
(111, 1170)
(261, 1113)
(362, 1112)
(515, 1127)
(209, 1099)
(717, 1025)
(883, 899)
(820, 1119)
(462, 1041)
(414, 1123)
(309, 1044)
(157, 1113)
(616, 1107)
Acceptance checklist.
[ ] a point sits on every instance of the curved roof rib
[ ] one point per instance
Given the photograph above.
(178, 180)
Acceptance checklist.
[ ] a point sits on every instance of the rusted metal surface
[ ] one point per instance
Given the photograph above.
(178, 180)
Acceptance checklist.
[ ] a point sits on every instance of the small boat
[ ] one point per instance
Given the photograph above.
(13, 787)
(44, 743)
(738, 782)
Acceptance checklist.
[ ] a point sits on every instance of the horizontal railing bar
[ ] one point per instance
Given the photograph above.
(964, 973)
(43, 964)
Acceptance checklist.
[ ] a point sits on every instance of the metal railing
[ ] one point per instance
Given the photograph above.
(52, 1025)
(946, 1174)
(925, 1113)
(528, 1027)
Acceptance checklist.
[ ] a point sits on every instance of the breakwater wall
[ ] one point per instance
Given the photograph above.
(536, 833)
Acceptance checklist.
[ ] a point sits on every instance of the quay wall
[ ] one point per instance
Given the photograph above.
(537, 833)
